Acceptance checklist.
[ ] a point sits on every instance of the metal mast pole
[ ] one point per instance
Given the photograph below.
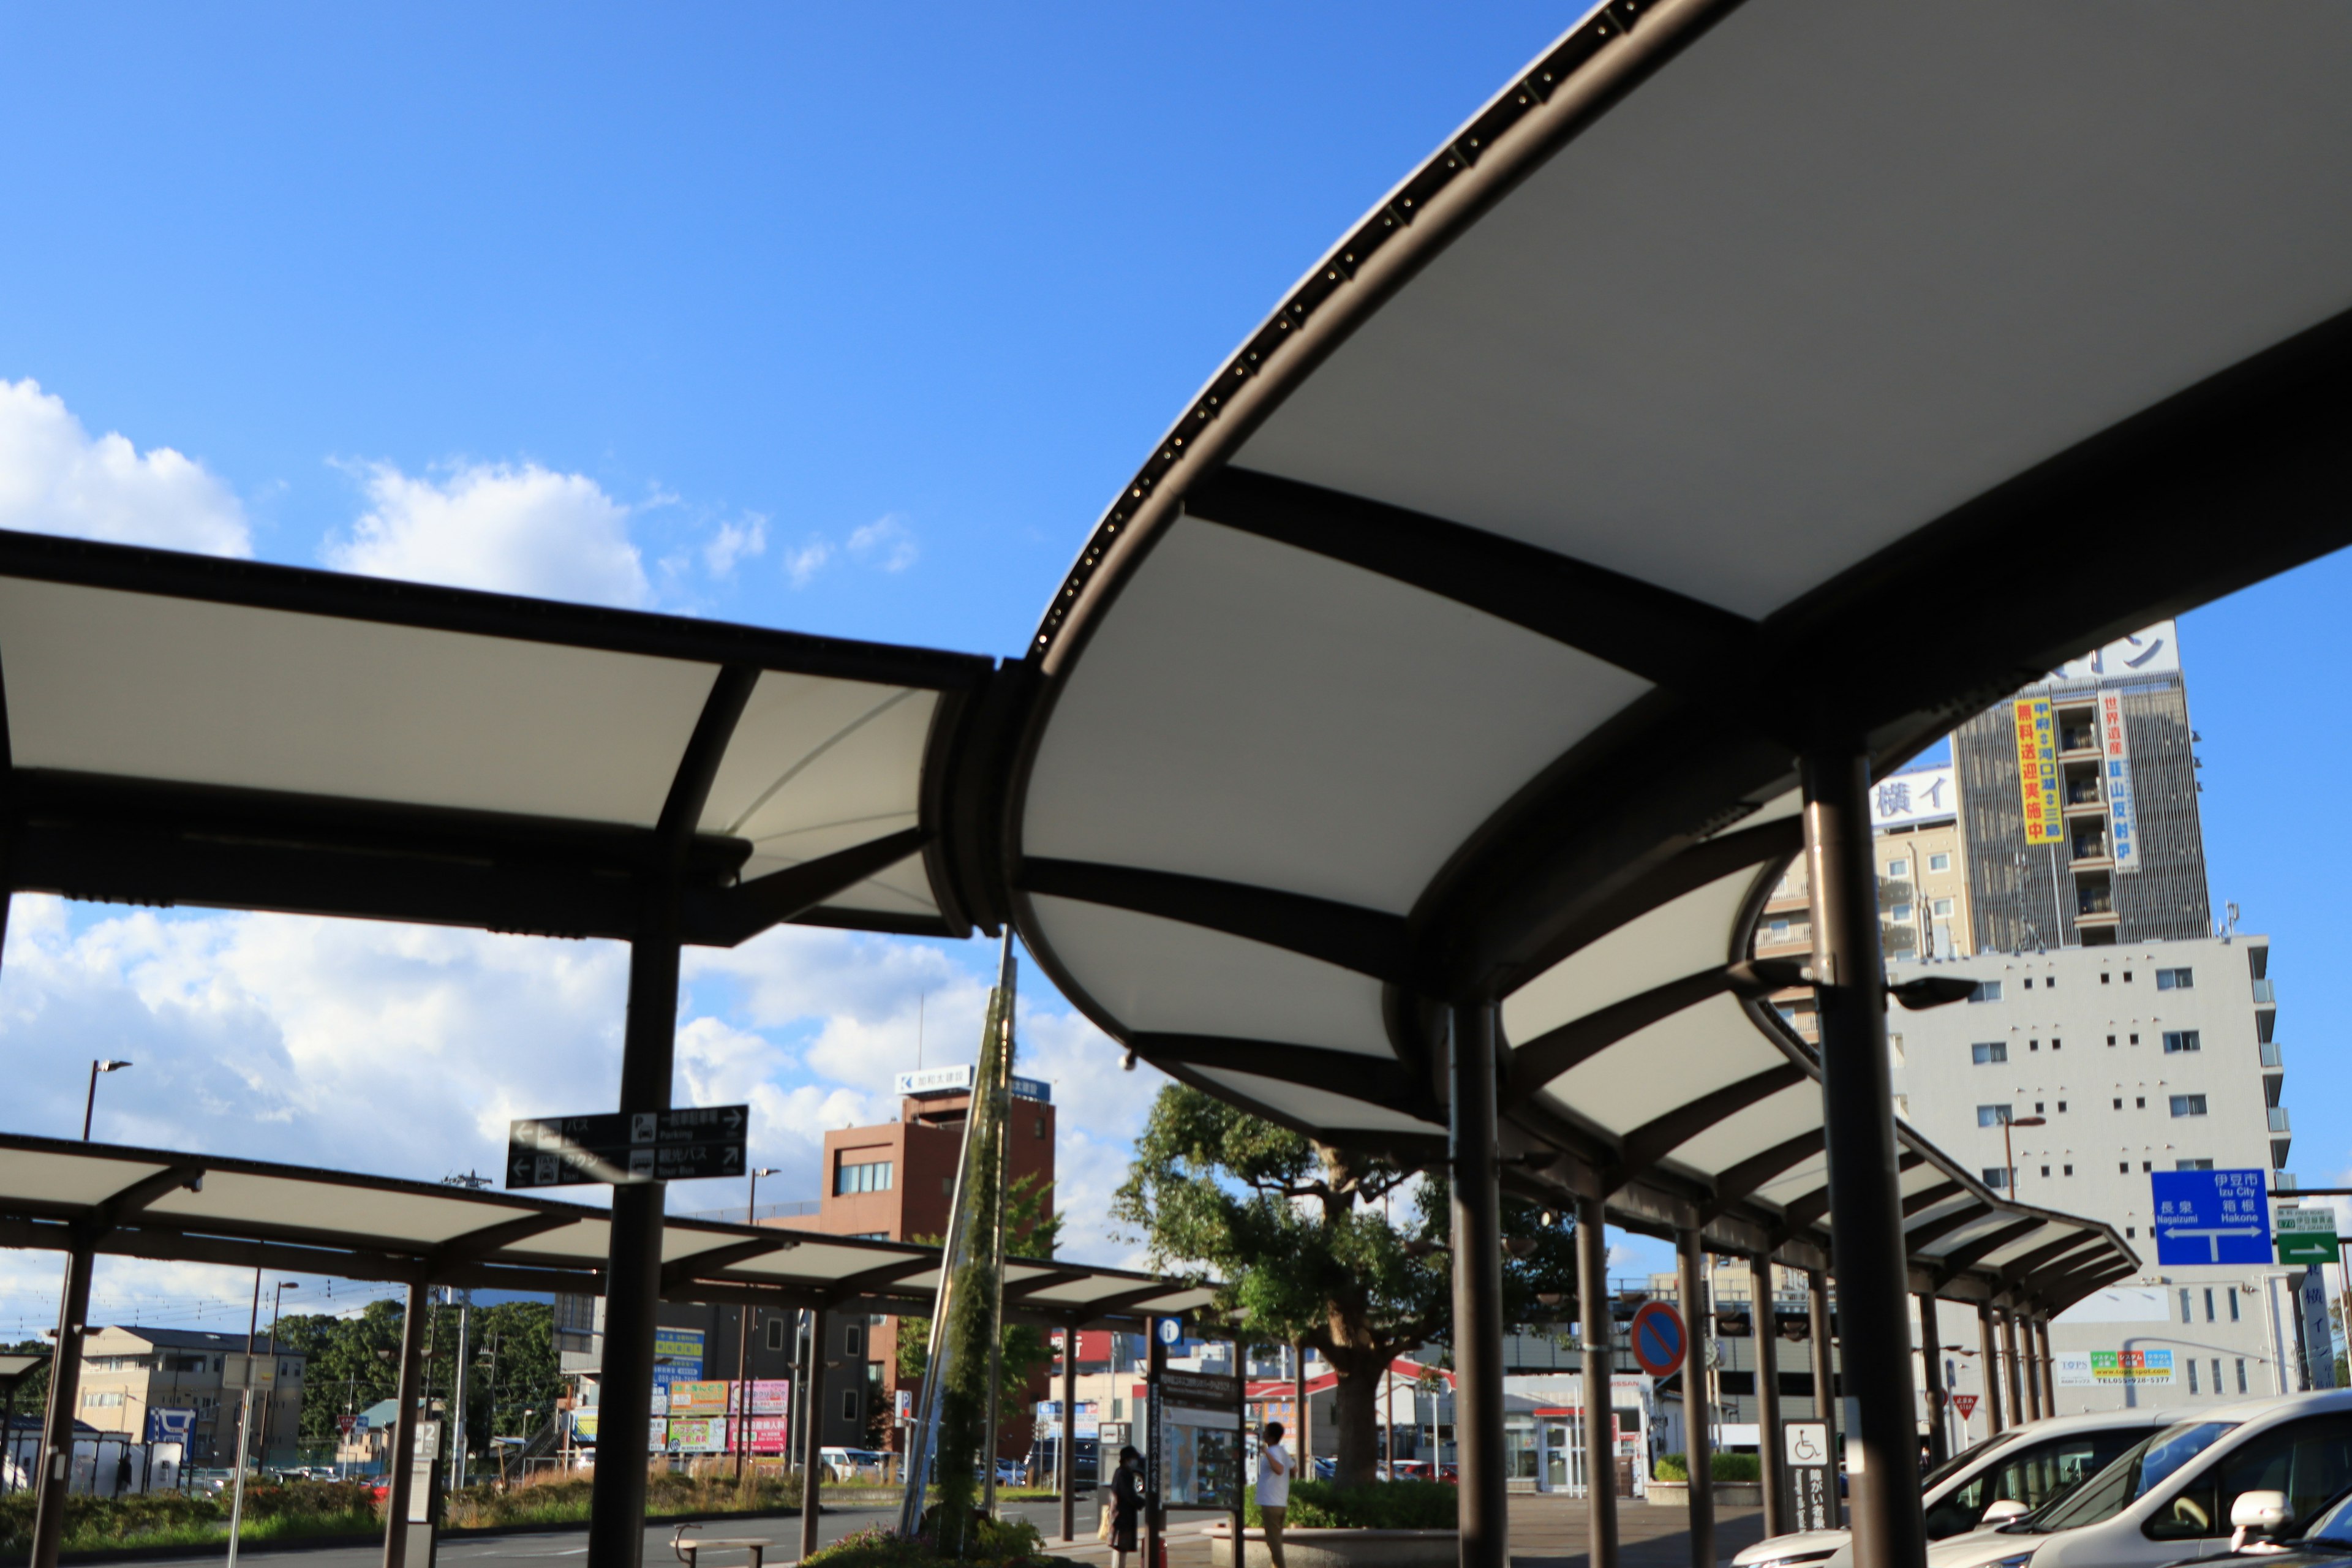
(1765, 1326)
(1988, 1352)
(1697, 1440)
(1931, 1341)
(1598, 1362)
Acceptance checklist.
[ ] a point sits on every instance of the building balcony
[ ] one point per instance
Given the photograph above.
(2278, 1119)
(2270, 1050)
(2082, 792)
(2263, 996)
(2090, 902)
(2078, 738)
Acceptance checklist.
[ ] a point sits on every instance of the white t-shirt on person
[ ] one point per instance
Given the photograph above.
(1274, 1485)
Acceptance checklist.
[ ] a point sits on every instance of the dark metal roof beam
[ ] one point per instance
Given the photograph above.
(1366, 942)
(1373, 1080)
(383, 601)
(1652, 632)
(1921, 1235)
(703, 1264)
(1963, 1258)
(477, 1246)
(1928, 1198)
(697, 765)
(1558, 1051)
(1740, 1181)
(724, 917)
(1652, 1141)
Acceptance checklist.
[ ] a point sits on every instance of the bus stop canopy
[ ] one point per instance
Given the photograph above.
(199, 1208)
(1738, 380)
(184, 730)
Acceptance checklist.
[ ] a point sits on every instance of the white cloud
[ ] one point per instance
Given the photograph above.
(884, 542)
(802, 565)
(54, 479)
(516, 528)
(733, 542)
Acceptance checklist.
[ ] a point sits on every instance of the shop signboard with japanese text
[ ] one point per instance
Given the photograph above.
(2146, 1368)
(697, 1398)
(2114, 768)
(2037, 770)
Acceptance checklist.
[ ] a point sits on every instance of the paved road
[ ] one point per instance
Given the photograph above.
(551, 1548)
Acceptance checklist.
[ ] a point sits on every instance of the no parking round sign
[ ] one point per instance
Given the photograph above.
(1660, 1340)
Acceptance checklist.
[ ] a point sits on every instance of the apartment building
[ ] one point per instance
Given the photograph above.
(2072, 1077)
(127, 1372)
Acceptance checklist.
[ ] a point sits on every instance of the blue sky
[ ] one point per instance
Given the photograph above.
(843, 320)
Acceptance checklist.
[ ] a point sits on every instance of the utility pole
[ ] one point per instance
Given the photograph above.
(743, 1341)
(472, 1181)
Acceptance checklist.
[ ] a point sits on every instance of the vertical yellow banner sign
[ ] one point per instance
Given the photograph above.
(2037, 770)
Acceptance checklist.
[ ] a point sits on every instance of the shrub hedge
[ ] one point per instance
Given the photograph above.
(1383, 1505)
(1725, 1467)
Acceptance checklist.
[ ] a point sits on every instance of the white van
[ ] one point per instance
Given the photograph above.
(2170, 1499)
(2031, 1464)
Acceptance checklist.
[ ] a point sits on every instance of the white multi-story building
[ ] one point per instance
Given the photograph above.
(2075, 1077)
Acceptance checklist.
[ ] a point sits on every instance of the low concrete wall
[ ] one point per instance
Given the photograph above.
(1727, 1494)
(1342, 1548)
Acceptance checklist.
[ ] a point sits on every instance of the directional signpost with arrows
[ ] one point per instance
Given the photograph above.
(2211, 1216)
(2306, 1235)
(621, 1148)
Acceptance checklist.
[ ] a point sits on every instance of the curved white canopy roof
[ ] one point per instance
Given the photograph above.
(1457, 642)
(200, 1208)
(187, 730)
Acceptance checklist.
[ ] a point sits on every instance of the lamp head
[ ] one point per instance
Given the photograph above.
(111, 1067)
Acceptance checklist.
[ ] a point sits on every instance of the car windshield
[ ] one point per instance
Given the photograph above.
(2136, 1473)
(1965, 1460)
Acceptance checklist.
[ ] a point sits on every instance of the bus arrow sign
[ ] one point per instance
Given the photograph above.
(624, 1148)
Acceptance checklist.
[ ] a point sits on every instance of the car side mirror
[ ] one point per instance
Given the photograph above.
(2002, 1510)
(2256, 1515)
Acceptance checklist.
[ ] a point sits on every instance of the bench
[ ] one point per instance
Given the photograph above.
(688, 1548)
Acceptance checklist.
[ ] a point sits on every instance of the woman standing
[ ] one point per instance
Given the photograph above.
(1127, 1504)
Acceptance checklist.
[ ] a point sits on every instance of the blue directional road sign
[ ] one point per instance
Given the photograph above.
(2211, 1216)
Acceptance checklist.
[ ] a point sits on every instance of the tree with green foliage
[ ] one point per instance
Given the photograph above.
(354, 1361)
(1304, 1237)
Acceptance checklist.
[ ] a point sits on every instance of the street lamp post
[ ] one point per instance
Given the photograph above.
(277, 1311)
(89, 1105)
(743, 1342)
(2008, 1155)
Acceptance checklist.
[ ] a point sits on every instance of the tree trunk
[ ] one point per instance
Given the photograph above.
(1355, 1409)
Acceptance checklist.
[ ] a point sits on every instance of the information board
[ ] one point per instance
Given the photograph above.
(1196, 1444)
(622, 1148)
(2211, 1216)
(1805, 1444)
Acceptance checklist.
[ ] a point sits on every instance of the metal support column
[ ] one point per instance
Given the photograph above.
(1598, 1360)
(812, 1432)
(1988, 1352)
(2049, 1371)
(1931, 1357)
(1865, 1190)
(1825, 1406)
(1299, 1411)
(2032, 1365)
(1069, 1455)
(616, 1509)
(400, 1456)
(1765, 1325)
(65, 1397)
(2013, 1373)
(1698, 1441)
(1477, 1206)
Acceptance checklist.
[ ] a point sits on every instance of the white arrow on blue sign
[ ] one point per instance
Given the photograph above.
(2211, 1216)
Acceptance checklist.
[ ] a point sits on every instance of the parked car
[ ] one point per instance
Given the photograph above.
(2173, 1495)
(2034, 1464)
(2265, 1531)
(850, 1466)
(1326, 1469)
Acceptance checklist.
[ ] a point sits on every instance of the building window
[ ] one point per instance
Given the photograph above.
(2233, 1317)
(2139, 1102)
(2185, 1316)
(1988, 1052)
(852, 1340)
(2056, 1043)
(2193, 1371)
(1776, 931)
(2241, 1364)
(1985, 991)
(1943, 908)
(1901, 915)
(864, 1176)
(2192, 1164)
(849, 1402)
(2178, 1040)
(2135, 1039)
(1898, 869)
(1041, 1127)
(2119, 1102)
(1991, 1115)
(2127, 977)
(2111, 1039)
(775, 1333)
(1939, 862)
(2029, 982)
(2145, 1166)
(2061, 1108)
(2175, 979)
(1995, 1177)
(2208, 1304)
(2188, 1105)
(2105, 977)
(2070, 1170)
(2131, 1233)
(2217, 1375)
(2033, 1045)
(2045, 1170)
